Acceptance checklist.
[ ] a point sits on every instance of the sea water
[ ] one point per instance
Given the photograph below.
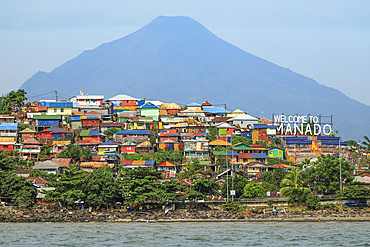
(186, 234)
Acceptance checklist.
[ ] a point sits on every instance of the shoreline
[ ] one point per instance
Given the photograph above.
(16, 215)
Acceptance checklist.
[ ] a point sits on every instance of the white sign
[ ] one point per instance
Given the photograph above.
(232, 192)
(304, 125)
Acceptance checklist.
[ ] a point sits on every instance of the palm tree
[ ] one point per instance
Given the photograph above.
(291, 181)
(367, 143)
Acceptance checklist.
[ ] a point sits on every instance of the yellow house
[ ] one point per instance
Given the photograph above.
(58, 107)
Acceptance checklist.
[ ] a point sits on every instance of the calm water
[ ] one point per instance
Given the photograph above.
(186, 234)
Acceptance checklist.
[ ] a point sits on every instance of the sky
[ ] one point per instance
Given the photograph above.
(328, 41)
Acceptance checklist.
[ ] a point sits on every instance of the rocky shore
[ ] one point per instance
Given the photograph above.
(10, 214)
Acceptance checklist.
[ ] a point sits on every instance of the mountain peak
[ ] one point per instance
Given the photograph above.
(177, 59)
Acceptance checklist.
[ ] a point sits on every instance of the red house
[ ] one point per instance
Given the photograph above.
(54, 132)
(7, 144)
(91, 123)
(128, 148)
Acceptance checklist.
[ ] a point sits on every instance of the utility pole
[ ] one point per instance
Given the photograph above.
(56, 95)
(340, 168)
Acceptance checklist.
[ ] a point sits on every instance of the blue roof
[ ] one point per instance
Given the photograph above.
(148, 105)
(133, 132)
(259, 155)
(215, 110)
(56, 104)
(109, 142)
(264, 126)
(56, 129)
(75, 118)
(149, 162)
(9, 126)
(298, 142)
(295, 138)
(328, 138)
(92, 117)
(94, 133)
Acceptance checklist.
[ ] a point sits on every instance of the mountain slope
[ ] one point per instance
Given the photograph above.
(177, 59)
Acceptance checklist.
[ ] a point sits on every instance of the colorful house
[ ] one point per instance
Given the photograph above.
(149, 110)
(128, 148)
(92, 122)
(264, 132)
(136, 136)
(244, 120)
(253, 168)
(9, 130)
(276, 153)
(195, 146)
(7, 143)
(108, 148)
(145, 147)
(169, 135)
(43, 121)
(87, 134)
(54, 132)
(58, 107)
(124, 103)
(85, 101)
(107, 126)
(27, 133)
(169, 109)
(30, 148)
(168, 169)
(90, 143)
(137, 163)
(59, 146)
(252, 157)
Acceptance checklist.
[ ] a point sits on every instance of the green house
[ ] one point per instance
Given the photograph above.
(276, 153)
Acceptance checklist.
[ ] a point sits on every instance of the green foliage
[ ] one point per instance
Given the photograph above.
(231, 206)
(263, 143)
(139, 185)
(70, 186)
(7, 162)
(323, 176)
(272, 179)
(139, 157)
(294, 187)
(212, 133)
(192, 171)
(17, 98)
(172, 156)
(45, 150)
(252, 190)
(356, 193)
(206, 187)
(18, 189)
(100, 188)
(366, 143)
(241, 139)
(152, 140)
(239, 184)
(86, 153)
(313, 202)
(50, 177)
(72, 152)
(111, 131)
(22, 126)
(171, 190)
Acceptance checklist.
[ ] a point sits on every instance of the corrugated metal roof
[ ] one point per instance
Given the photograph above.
(9, 126)
(75, 118)
(264, 126)
(56, 104)
(44, 116)
(120, 97)
(133, 132)
(215, 110)
(259, 155)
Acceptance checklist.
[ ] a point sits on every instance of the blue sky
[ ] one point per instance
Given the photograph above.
(328, 41)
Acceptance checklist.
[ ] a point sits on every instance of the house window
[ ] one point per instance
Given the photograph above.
(128, 148)
(62, 110)
(55, 110)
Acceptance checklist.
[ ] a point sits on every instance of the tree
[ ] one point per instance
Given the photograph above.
(202, 188)
(70, 186)
(313, 202)
(294, 187)
(272, 179)
(172, 156)
(72, 152)
(139, 185)
(86, 153)
(6, 162)
(323, 175)
(212, 133)
(253, 189)
(239, 184)
(241, 139)
(101, 189)
(111, 131)
(139, 157)
(356, 193)
(366, 143)
(16, 98)
(152, 140)
(18, 189)
(171, 190)
(192, 170)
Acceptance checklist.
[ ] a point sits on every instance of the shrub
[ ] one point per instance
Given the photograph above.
(313, 202)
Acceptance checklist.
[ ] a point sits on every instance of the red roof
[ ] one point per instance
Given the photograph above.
(206, 103)
(193, 134)
(256, 145)
(88, 141)
(111, 124)
(62, 161)
(93, 113)
(31, 140)
(245, 155)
